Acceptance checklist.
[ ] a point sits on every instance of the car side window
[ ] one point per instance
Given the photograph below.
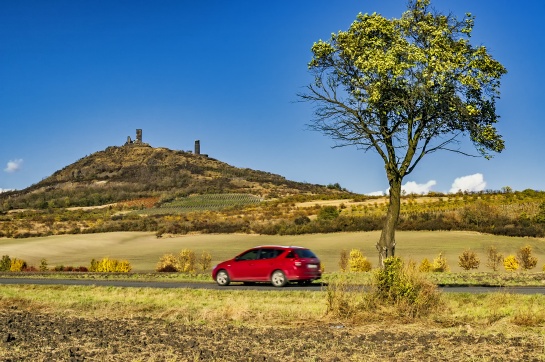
(305, 253)
(269, 253)
(250, 255)
(290, 255)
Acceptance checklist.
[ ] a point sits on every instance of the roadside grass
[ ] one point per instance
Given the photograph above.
(143, 250)
(198, 306)
(486, 313)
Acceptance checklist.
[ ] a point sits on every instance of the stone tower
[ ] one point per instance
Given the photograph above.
(197, 147)
(138, 135)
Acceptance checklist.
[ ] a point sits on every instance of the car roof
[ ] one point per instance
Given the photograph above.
(279, 247)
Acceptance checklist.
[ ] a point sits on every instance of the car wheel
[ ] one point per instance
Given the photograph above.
(278, 279)
(222, 278)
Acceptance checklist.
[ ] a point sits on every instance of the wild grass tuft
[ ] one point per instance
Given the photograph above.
(397, 291)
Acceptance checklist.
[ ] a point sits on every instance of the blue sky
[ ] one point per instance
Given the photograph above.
(79, 76)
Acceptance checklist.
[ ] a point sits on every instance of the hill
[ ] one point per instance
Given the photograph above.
(141, 188)
(139, 171)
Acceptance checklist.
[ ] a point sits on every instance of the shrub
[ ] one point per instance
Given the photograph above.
(412, 294)
(205, 261)
(186, 261)
(107, 265)
(301, 220)
(17, 265)
(494, 258)
(510, 263)
(425, 266)
(328, 213)
(525, 258)
(440, 264)
(468, 260)
(357, 262)
(167, 264)
(343, 261)
(5, 263)
(43, 265)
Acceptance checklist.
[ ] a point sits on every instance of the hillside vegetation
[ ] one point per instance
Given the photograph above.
(141, 188)
(122, 174)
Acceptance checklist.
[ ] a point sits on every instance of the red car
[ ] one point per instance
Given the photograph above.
(275, 264)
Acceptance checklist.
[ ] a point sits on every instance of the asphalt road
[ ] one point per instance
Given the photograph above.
(237, 286)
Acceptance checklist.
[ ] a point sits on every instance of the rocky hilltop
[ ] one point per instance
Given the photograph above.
(138, 170)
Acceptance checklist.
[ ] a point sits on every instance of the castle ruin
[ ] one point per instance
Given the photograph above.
(138, 142)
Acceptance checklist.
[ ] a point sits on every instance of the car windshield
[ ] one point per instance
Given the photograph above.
(304, 253)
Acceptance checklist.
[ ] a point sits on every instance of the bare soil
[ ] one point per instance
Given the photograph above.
(26, 335)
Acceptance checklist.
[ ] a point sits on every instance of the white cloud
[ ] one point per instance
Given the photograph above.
(13, 166)
(375, 193)
(5, 190)
(468, 183)
(410, 187)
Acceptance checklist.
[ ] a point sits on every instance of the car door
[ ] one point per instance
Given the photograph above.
(267, 263)
(244, 266)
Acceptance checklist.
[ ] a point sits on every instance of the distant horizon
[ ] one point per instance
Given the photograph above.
(471, 183)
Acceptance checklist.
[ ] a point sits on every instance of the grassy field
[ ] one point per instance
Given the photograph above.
(143, 250)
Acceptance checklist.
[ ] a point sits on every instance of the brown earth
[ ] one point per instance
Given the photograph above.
(35, 336)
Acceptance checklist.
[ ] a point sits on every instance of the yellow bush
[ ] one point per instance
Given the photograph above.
(186, 261)
(17, 265)
(167, 263)
(425, 266)
(357, 262)
(107, 265)
(440, 264)
(205, 260)
(123, 266)
(511, 263)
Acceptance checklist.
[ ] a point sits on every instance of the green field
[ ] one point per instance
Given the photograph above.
(143, 250)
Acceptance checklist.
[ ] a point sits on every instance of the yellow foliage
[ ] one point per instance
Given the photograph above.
(510, 263)
(17, 265)
(107, 265)
(186, 261)
(205, 260)
(168, 262)
(440, 264)
(357, 262)
(425, 266)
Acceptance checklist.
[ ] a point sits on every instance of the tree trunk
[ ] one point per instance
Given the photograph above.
(386, 244)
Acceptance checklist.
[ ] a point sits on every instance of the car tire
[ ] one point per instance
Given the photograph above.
(278, 279)
(222, 278)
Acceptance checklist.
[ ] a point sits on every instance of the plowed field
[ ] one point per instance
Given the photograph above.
(37, 336)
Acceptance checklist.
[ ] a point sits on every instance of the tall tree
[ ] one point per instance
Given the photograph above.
(405, 88)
